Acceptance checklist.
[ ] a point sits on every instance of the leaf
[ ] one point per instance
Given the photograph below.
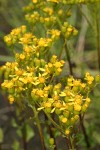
(16, 145)
(30, 133)
(14, 124)
(19, 133)
(97, 137)
(6, 58)
(40, 108)
(52, 110)
(1, 135)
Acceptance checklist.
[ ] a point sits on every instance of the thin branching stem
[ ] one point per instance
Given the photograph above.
(83, 14)
(39, 128)
(24, 136)
(98, 40)
(86, 138)
(49, 127)
(68, 58)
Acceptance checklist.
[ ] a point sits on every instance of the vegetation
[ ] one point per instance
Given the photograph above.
(50, 79)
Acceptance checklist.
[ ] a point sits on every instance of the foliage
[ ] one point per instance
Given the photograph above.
(36, 79)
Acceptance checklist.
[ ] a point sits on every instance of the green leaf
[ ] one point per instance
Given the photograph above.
(30, 133)
(6, 58)
(14, 124)
(1, 135)
(97, 137)
(16, 145)
(19, 133)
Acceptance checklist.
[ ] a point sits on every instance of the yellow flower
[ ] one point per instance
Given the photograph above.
(48, 10)
(11, 99)
(89, 78)
(57, 64)
(55, 1)
(22, 56)
(42, 42)
(40, 93)
(47, 104)
(50, 65)
(67, 131)
(88, 100)
(34, 1)
(15, 31)
(19, 72)
(23, 79)
(64, 120)
(55, 33)
(56, 97)
(8, 39)
(78, 99)
(7, 84)
(41, 79)
(57, 104)
(77, 107)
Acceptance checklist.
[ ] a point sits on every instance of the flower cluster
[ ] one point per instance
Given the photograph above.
(68, 30)
(34, 83)
(80, 1)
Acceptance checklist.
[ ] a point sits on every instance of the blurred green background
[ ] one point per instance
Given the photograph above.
(84, 57)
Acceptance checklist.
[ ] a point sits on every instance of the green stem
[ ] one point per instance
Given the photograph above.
(72, 143)
(68, 143)
(98, 40)
(83, 14)
(49, 127)
(24, 136)
(0, 147)
(84, 132)
(68, 58)
(39, 128)
(54, 123)
(66, 49)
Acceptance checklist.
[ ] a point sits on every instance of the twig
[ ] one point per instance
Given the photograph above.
(39, 128)
(24, 136)
(84, 132)
(88, 21)
(98, 39)
(49, 127)
(81, 40)
(68, 58)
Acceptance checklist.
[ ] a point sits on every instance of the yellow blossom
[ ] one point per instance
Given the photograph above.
(55, 1)
(41, 79)
(34, 1)
(64, 120)
(11, 99)
(77, 107)
(47, 104)
(22, 56)
(67, 131)
(48, 10)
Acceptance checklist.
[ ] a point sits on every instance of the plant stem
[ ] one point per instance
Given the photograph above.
(71, 143)
(84, 14)
(66, 49)
(98, 40)
(52, 136)
(0, 147)
(68, 58)
(39, 128)
(68, 144)
(24, 136)
(54, 123)
(84, 132)
(49, 127)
